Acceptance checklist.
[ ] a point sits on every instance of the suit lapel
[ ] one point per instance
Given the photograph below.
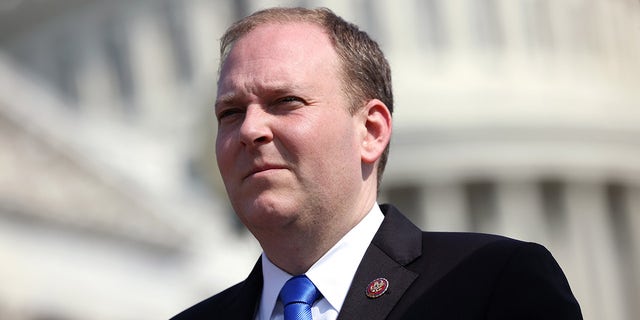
(245, 305)
(397, 243)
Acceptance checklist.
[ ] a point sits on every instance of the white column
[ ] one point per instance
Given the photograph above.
(97, 90)
(593, 269)
(519, 211)
(444, 208)
(207, 20)
(152, 66)
(458, 25)
(401, 26)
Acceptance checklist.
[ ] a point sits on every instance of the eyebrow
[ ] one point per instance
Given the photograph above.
(226, 99)
(271, 90)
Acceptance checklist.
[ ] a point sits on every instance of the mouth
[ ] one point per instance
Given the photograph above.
(263, 168)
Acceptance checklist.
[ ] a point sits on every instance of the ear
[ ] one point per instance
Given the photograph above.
(377, 123)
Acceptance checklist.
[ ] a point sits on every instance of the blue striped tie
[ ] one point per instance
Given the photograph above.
(297, 296)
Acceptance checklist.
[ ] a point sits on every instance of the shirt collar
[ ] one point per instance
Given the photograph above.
(332, 273)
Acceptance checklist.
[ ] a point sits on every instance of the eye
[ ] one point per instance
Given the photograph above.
(229, 112)
(290, 99)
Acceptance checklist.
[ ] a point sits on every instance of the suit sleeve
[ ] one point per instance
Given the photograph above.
(532, 286)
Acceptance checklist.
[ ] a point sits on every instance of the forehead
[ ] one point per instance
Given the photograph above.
(271, 32)
(274, 34)
(274, 50)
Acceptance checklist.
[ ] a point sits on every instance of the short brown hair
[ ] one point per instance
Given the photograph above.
(365, 71)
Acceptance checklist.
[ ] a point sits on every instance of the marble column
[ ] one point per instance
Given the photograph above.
(593, 270)
(443, 208)
(519, 213)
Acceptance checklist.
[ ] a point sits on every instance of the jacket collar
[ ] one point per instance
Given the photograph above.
(245, 305)
(397, 243)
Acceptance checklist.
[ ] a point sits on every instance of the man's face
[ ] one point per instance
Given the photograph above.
(287, 146)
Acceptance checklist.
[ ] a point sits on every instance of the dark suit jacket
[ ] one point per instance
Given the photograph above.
(432, 275)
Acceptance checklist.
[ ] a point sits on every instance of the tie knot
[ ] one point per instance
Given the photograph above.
(299, 289)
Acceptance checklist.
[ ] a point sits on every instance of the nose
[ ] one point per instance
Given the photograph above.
(255, 128)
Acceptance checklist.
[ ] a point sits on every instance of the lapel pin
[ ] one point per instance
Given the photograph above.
(377, 288)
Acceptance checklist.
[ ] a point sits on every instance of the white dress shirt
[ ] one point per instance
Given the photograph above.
(332, 274)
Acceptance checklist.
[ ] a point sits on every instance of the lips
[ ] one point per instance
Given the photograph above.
(263, 168)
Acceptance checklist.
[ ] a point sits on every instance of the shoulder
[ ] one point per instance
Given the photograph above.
(237, 302)
(215, 305)
(401, 239)
(492, 276)
(465, 238)
(449, 248)
(481, 243)
(485, 259)
(479, 249)
(469, 242)
(508, 278)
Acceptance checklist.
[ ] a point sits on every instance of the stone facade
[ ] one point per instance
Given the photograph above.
(512, 117)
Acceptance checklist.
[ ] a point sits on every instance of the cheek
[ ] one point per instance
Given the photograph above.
(331, 143)
(223, 154)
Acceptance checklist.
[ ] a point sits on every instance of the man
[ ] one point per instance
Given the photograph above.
(304, 120)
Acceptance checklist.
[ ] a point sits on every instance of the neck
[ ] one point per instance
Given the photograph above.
(295, 248)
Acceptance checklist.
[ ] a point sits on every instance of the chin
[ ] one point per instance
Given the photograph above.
(265, 213)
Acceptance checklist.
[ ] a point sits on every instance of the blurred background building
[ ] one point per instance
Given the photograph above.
(513, 117)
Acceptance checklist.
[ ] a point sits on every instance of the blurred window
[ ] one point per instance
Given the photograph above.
(481, 200)
(616, 197)
(407, 198)
(552, 199)
(65, 62)
(118, 57)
